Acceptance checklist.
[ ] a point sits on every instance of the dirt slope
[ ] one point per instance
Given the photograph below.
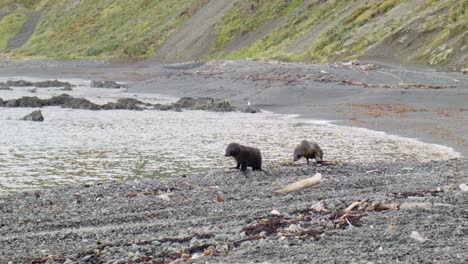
(194, 38)
(26, 31)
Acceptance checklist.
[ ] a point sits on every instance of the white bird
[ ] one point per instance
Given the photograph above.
(248, 103)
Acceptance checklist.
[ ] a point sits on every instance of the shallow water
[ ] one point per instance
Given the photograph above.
(81, 146)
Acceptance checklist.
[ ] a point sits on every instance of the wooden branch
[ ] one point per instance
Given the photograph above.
(299, 185)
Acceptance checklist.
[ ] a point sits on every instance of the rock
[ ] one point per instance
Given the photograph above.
(19, 83)
(124, 103)
(163, 107)
(106, 84)
(12, 103)
(5, 88)
(368, 67)
(58, 100)
(463, 187)
(32, 90)
(464, 70)
(251, 110)
(221, 237)
(203, 103)
(52, 83)
(275, 213)
(416, 236)
(34, 116)
(80, 103)
(67, 89)
(27, 101)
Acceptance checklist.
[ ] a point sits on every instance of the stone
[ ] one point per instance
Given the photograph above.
(34, 116)
(52, 83)
(28, 101)
(251, 110)
(19, 83)
(106, 84)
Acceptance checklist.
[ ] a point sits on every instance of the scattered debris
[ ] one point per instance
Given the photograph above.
(275, 213)
(416, 236)
(299, 185)
(165, 196)
(463, 187)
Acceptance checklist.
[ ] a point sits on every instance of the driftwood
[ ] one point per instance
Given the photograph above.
(299, 185)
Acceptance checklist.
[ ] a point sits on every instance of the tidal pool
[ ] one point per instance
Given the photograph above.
(82, 146)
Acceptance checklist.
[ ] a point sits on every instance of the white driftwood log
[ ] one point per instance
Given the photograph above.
(299, 185)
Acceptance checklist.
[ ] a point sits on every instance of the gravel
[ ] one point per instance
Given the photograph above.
(127, 221)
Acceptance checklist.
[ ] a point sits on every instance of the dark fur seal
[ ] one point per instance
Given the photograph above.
(308, 151)
(245, 156)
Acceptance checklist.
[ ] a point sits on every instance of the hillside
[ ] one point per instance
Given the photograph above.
(423, 32)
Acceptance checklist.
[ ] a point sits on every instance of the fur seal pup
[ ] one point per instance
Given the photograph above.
(308, 151)
(245, 156)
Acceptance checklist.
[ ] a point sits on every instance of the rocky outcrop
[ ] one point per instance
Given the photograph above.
(52, 83)
(43, 84)
(251, 110)
(81, 103)
(124, 103)
(67, 101)
(106, 84)
(19, 83)
(203, 103)
(34, 116)
(30, 101)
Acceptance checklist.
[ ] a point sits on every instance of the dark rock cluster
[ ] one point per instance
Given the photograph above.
(106, 84)
(67, 101)
(43, 84)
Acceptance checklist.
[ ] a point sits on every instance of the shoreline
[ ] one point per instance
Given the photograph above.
(434, 116)
(225, 216)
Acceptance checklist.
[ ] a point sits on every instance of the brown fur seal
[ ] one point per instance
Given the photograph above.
(245, 156)
(308, 151)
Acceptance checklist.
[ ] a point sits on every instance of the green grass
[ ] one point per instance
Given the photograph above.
(9, 26)
(279, 39)
(332, 44)
(105, 29)
(247, 15)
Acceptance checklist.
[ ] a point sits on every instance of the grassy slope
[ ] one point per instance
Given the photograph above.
(10, 25)
(106, 28)
(369, 23)
(424, 31)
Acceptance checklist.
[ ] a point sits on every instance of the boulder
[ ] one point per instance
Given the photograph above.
(2, 103)
(58, 100)
(124, 103)
(19, 83)
(52, 83)
(28, 101)
(12, 103)
(251, 110)
(106, 84)
(5, 88)
(203, 103)
(34, 116)
(81, 103)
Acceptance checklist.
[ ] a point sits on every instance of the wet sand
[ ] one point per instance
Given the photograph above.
(433, 115)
